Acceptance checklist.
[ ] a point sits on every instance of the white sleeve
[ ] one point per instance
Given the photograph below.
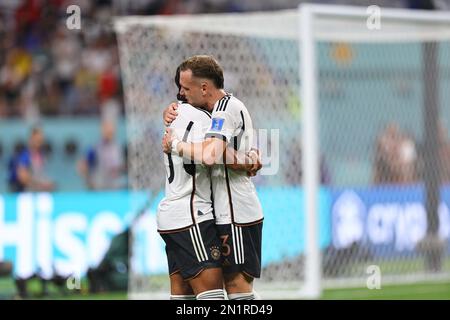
(199, 130)
(179, 126)
(223, 125)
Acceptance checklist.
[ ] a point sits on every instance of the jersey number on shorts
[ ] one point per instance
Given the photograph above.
(226, 249)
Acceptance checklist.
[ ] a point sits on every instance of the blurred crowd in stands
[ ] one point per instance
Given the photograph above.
(47, 70)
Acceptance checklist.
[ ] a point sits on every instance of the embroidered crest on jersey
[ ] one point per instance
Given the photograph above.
(215, 252)
(217, 124)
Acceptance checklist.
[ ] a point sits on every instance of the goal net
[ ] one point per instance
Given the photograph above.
(337, 95)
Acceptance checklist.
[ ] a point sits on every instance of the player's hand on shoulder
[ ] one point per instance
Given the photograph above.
(170, 113)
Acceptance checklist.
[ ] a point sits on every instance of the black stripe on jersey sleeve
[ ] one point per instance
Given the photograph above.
(237, 139)
(243, 121)
(172, 173)
(219, 105)
(225, 104)
(216, 135)
(189, 167)
(188, 129)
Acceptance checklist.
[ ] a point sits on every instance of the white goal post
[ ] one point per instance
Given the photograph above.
(305, 59)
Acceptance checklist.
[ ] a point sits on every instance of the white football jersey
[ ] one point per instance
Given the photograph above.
(235, 198)
(188, 186)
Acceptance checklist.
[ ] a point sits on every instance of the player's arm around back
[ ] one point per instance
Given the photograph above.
(249, 162)
(208, 152)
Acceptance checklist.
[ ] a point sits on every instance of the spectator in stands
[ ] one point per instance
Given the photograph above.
(13, 76)
(395, 157)
(386, 146)
(102, 167)
(27, 168)
(407, 159)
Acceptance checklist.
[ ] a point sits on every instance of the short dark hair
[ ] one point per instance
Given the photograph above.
(203, 66)
(177, 78)
(180, 97)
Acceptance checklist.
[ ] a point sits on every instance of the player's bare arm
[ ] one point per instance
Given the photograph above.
(210, 152)
(250, 162)
(235, 160)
